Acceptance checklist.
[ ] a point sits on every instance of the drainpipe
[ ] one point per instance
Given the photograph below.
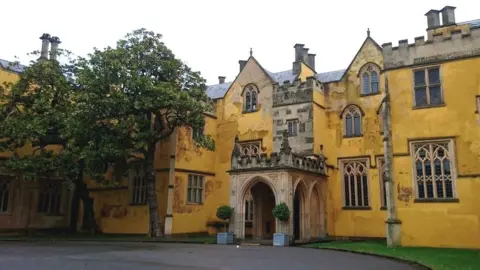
(393, 223)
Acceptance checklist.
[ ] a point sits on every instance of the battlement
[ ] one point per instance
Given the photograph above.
(285, 159)
(442, 44)
(296, 91)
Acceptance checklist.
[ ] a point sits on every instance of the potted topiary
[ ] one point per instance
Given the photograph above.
(282, 213)
(225, 212)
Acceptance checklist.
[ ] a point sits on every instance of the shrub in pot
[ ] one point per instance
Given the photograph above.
(282, 213)
(225, 212)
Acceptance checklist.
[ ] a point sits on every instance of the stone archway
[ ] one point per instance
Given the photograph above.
(254, 204)
(300, 212)
(317, 212)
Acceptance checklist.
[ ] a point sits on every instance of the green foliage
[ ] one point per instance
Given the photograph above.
(142, 91)
(224, 212)
(281, 211)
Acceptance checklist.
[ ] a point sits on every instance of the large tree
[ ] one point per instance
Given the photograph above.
(49, 133)
(144, 92)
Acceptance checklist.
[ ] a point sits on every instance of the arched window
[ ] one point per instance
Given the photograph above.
(369, 74)
(352, 116)
(250, 98)
(355, 183)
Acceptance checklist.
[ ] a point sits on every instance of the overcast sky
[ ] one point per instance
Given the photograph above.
(212, 35)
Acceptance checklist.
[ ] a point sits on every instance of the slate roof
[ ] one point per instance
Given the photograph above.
(330, 76)
(16, 68)
(219, 90)
(473, 23)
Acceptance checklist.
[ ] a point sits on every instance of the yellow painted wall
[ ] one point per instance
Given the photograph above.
(342, 222)
(440, 224)
(114, 212)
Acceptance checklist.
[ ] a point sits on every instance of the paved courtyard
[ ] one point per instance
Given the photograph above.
(143, 256)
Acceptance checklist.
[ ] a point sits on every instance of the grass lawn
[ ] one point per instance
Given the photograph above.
(435, 258)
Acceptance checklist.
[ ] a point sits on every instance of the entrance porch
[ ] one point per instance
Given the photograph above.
(258, 184)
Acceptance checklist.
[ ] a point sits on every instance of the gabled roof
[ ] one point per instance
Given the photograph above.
(219, 90)
(12, 66)
(360, 49)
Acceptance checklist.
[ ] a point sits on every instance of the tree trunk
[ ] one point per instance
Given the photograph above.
(150, 175)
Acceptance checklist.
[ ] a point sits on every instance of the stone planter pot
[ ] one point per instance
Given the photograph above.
(225, 238)
(280, 240)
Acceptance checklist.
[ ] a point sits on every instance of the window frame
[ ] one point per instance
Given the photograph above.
(41, 188)
(198, 187)
(342, 165)
(134, 189)
(453, 169)
(10, 182)
(295, 123)
(427, 87)
(347, 111)
(252, 90)
(368, 69)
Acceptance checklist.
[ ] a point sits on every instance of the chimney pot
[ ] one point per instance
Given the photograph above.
(221, 79)
(433, 18)
(242, 64)
(448, 15)
(55, 41)
(45, 44)
(311, 60)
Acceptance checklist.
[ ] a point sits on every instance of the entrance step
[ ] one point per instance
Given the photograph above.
(257, 243)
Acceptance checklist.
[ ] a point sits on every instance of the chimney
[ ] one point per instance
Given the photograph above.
(305, 55)
(433, 18)
(448, 15)
(45, 44)
(53, 51)
(221, 79)
(242, 64)
(298, 51)
(311, 60)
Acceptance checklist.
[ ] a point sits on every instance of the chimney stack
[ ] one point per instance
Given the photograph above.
(242, 64)
(298, 51)
(45, 44)
(433, 18)
(53, 51)
(311, 60)
(448, 15)
(221, 79)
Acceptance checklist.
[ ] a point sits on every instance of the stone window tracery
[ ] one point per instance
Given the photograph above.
(250, 98)
(433, 170)
(369, 77)
(251, 148)
(139, 185)
(353, 121)
(5, 195)
(355, 184)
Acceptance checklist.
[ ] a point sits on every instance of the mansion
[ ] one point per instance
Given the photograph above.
(316, 142)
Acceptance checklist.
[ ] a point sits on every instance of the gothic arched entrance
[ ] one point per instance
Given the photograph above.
(258, 218)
